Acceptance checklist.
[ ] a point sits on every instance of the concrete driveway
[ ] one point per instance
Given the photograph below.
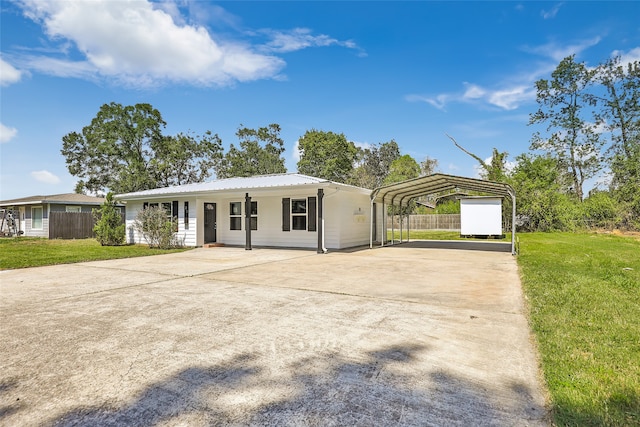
(223, 336)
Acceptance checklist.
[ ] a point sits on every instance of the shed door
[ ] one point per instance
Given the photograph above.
(209, 222)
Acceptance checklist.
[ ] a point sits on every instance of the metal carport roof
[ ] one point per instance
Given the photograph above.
(401, 193)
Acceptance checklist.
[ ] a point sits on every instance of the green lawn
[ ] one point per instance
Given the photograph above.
(439, 235)
(34, 252)
(583, 292)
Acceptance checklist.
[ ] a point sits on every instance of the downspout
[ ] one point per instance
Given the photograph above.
(321, 233)
(247, 222)
(321, 248)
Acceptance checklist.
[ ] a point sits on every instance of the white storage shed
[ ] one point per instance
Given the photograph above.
(481, 216)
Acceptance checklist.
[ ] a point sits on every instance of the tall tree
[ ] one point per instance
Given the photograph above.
(373, 164)
(495, 169)
(574, 140)
(541, 183)
(114, 151)
(620, 115)
(403, 168)
(428, 166)
(185, 158)
(259, 153)
(326, 155)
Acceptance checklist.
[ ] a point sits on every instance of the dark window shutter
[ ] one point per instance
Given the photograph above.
(286, 214)
(311, 214)
(174, 208)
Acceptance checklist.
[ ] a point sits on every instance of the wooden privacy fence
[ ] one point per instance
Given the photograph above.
(71, 225)
(427, 222)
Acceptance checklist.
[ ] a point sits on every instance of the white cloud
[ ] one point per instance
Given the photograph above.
(295, 153)
(138, 43)
(302, 38)
(506, 98)
(628, 57)
(511, 98)
(549, 14)
(473, 91)
(363, 145)
(519, 88)
(7, 133)
(45, 176)
(8, 73)
(453, 167)
(558, 52)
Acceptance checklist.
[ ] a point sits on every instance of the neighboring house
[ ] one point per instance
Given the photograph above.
(280, 210)
(31, 214)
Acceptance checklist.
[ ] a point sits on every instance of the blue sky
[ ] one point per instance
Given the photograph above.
(375, 71)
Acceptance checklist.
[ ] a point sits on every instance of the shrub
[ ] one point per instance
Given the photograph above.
(157, 228)
(601, 210)
(109, 228)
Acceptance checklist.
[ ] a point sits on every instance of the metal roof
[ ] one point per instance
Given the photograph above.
(238, 183)
(402, 192)
(67, 198)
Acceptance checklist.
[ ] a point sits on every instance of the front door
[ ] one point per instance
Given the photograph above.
(209, 222)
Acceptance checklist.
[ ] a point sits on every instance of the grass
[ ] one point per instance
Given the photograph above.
(35, 252)
(439, 235)
(583, 292)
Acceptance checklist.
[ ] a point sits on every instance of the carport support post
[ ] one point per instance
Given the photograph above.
(383, 224)
(320, 227)
(513, 223)
(247, 221)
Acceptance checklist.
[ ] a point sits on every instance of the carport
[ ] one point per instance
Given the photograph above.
(402, 193)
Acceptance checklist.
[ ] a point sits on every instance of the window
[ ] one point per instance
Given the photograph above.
(299, 214)
(36, 218)
(77, 209)
(235, 216)
(186, 215)
(171, 208)
(254, 215)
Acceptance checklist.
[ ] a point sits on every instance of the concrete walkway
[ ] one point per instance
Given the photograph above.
(223, 336)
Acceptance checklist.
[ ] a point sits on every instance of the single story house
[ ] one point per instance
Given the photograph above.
(29, 216)
(279, 210)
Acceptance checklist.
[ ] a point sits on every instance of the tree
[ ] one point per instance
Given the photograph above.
(574, 141)
(326, 155)
(620, 115)
(123, 150)
(252, 158)
(495, 170)
(109, 228)
(401, 169)
(373, 164)
(114, 151)
(541, 183)
(185, 158)
(428, 166)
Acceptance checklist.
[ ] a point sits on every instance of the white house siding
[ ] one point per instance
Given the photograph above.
(347, 219)
(269, 232)
(346, 211)
(186, 235)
